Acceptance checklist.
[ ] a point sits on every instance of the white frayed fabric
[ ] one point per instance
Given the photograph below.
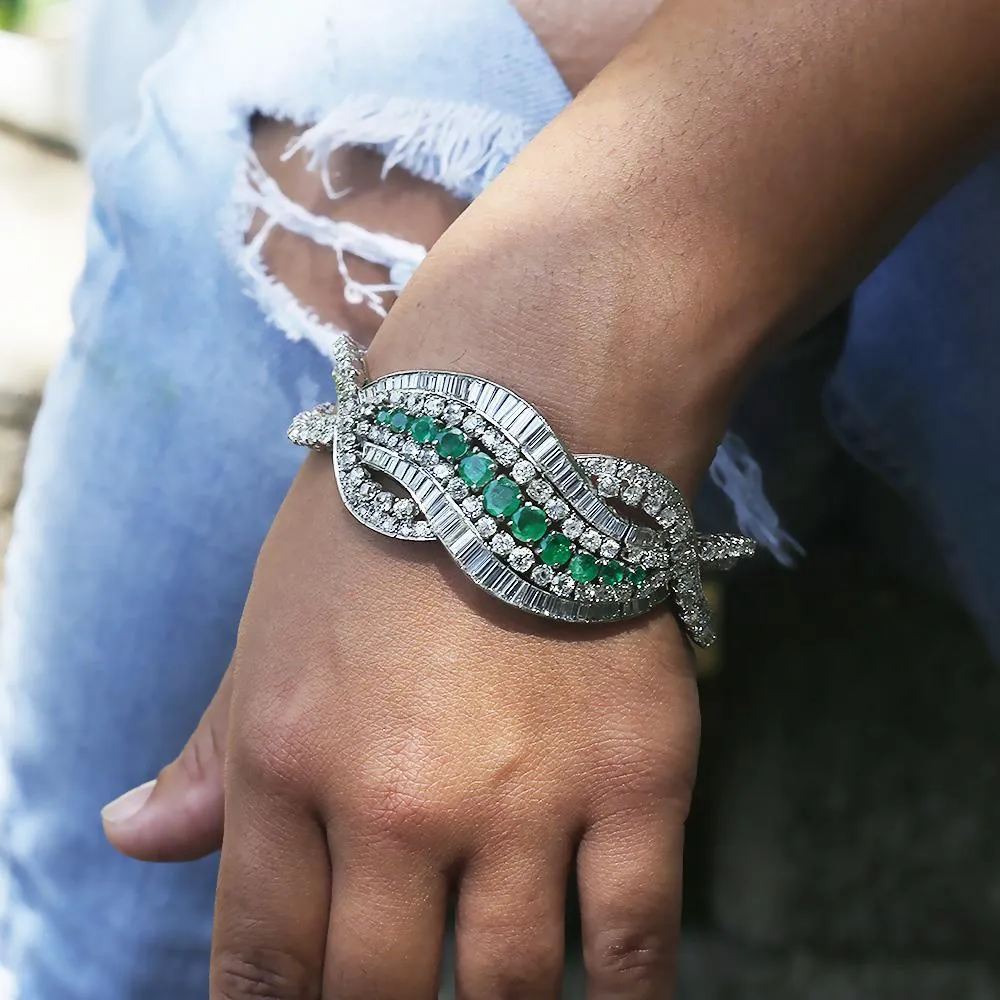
(461, 147)
(738, 475)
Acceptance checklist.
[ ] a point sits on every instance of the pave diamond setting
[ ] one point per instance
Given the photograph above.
(482, 472)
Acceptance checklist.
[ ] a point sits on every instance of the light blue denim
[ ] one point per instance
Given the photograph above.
(159, 457)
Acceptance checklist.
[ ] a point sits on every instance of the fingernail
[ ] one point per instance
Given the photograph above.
(127, 805)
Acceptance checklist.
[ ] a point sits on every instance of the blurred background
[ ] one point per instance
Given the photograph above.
(845, 842)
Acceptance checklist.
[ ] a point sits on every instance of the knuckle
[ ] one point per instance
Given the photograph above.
(628, 955)
(273, 757)
(262, 974)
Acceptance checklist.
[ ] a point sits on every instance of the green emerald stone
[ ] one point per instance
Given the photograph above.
(477, 470)
(528, 524)
(637, 575)
(424, 429)
(612, 572)
(502, 497)
(399, 421)
(555, 549)
(452, 444)
(382, 417)
(583, 568)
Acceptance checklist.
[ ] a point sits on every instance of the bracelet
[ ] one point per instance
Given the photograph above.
(484, 474)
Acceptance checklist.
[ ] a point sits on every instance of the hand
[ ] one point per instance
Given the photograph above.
(396, 738)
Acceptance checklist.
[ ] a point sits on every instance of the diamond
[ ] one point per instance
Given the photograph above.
(562, 584)
(572, 527)
(424, 429)
(502, 497)
(486, 526)
(453, 414)
(411, 449)
(612, 572)
(414, 401)
(607, 467)
(528, 523)
(539, 490)
(385, 500)
(490, 439)
(396, 397)
(363, 428)
(428, 457)
(505, 452)
(555, 549)
(347, 440)
(523, 471)
(404, 508)
(632, 494)
(477, 470)
(348, 460)
(457, 489)
(473, 506)
(442, 470)
(421, 529)
(356, 474)
(607, 486)
(502, 544)
(473, 424)
(521, 559)
(542, 575)
(609, 548)
(434, 405)
(556, 509)
(590, 539)
(452, 444)
(399, 421)
(653, 504)
(583, 568)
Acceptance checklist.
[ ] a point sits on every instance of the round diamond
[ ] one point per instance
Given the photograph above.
(442, 470)
(542, 575)
(505, 452)
(555, 549)
(562, 584)
(385, 500)
(473, 506)
(434, 405)
(396, 397)
(653, 504)
(607, 486)
(363, 429)
(477, 470)
(411, 449)
(474, 424)
(521, 559)
(502, 497)
(590, 539)
(404, 508)
(453, 414)
(583, 568)
(539, 490)
(457, 489)
(486, 526)
(424, 429)
(428, 457)
(523, 471)
(452, 444)
(609, 548)
(348, 460)
(556, 509)
(356, 474)
(572, 527)
(414, 401)
(502, 544)
(528, 523)
(632, 494)
(421, 529)
(490, 439)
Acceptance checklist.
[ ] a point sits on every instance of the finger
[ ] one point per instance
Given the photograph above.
(629, 876)
(272, 903)
(386, 928)
(510, 925)
(179, 816)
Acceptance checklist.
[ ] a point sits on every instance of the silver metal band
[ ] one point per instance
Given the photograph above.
(477, 468)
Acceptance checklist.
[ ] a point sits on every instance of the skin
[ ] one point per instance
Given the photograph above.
(736, 169)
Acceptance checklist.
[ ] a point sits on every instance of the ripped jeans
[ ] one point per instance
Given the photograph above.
(159, 457)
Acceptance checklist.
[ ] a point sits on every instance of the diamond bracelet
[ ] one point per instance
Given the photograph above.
(428, 455)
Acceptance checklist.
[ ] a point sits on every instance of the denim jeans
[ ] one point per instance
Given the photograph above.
(159, 457)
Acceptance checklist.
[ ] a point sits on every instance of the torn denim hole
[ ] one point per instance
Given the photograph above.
(461, 150)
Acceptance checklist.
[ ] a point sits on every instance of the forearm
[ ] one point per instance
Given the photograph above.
(726, 179)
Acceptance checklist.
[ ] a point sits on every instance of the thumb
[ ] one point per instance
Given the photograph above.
(179, 815)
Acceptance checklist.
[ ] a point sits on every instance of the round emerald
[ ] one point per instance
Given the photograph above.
(477, 470)
(399, 421)
(528, 524)
(637, 575)
(382, 417)
(612, 572)
(424, 429)
(583, 568)
(555, 549)
(452, 444)
(502, 497)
